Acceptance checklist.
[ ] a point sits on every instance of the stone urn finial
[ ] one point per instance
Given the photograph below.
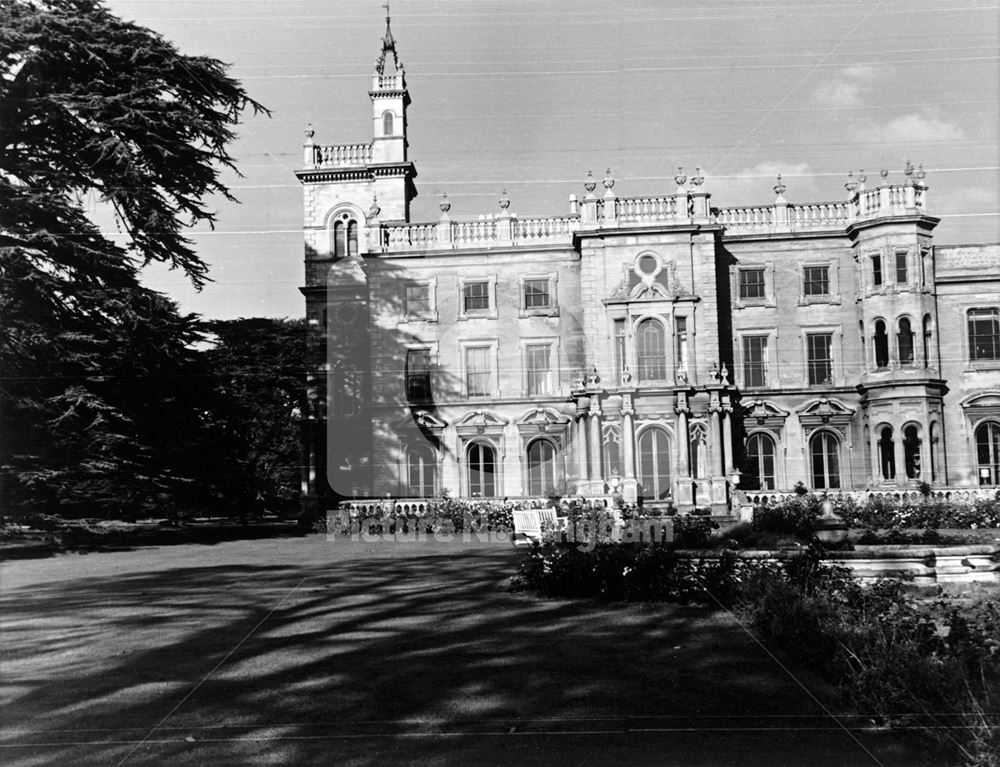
(921, 173)
(884, 173)
(374, 210)
(590, 185)
(310, 132)
(504, 200)
(698, 178)
(608, 180)
(445, 205)
(679, 178)
(851, 186)
(779, 188)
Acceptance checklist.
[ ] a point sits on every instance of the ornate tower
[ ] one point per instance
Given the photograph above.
(901, 386)
(347, 190)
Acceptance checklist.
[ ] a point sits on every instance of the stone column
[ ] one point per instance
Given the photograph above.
(595, 447)
(580, 442)
(876, 467)
(628, 445)
(717, 459)
(727, 439)
(683, 444)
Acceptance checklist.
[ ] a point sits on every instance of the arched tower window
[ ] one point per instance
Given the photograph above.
(482, 469)
(928, 337)
(824, 453)
(880, 341)
(932, 452)
(886, 453)
(760, 463)
(541, 467)
(988, 452)
(387, 123)
(911, 451)
(904, 342)
(654, 463)
(345, 236)
(421, 471)
(651, 350)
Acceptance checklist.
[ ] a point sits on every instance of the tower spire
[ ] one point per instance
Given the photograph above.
(388, 46)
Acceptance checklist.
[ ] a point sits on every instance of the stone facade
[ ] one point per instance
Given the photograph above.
(660, 347)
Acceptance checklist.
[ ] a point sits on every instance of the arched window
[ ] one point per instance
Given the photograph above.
(651, 351)
(387, 121)
(988, 452)
(760, 463)
(345, 236)
(421, 471)
(352, 237)
(928, 334)
(886, 453)
(654, 463)
(880, 342)
(824, 452)
(346, 392)
(904, 342)
(541, 467)
(339, 240)
(932, 452)
(911, 451)
(698, 451)
(612, 451)
(482, 470)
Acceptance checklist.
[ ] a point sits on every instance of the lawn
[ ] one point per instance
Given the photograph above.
(305, 651)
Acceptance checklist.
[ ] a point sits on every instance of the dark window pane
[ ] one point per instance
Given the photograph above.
(752, 283)
(754, 361)
(477, 297)
(818, 348)
(817, 280)
(984, 334)
(536, 294)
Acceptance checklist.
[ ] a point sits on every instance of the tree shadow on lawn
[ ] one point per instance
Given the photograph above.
(369, 660)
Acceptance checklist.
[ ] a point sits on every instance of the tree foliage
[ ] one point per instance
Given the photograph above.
(98, 370)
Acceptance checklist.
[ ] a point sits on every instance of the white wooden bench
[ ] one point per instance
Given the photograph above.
(527, 527)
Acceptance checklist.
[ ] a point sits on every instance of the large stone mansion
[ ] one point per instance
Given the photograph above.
(659, 347)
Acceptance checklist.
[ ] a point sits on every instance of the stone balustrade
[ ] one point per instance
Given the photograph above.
(340, 155)
(956, 495)
(864, 204)
(647, 210)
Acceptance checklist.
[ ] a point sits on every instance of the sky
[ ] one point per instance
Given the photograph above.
(528, 95)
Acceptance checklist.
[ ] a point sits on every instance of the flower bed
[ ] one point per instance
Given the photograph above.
(796, 515)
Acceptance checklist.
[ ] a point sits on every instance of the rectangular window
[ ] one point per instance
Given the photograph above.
(539, 369)
(478, 371)
(418, 375)
(816, 280)
(984, 334)
(752, 284)
(418, 299)
(754, 361)
(901, 267)
(876, 270)
(620, 359)
(536, 294)
(819, 351)
(476, 297)
(681, 342)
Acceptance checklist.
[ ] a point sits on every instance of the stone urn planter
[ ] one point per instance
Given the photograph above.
(829, 528)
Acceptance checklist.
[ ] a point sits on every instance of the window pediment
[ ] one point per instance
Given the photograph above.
(480, 422)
